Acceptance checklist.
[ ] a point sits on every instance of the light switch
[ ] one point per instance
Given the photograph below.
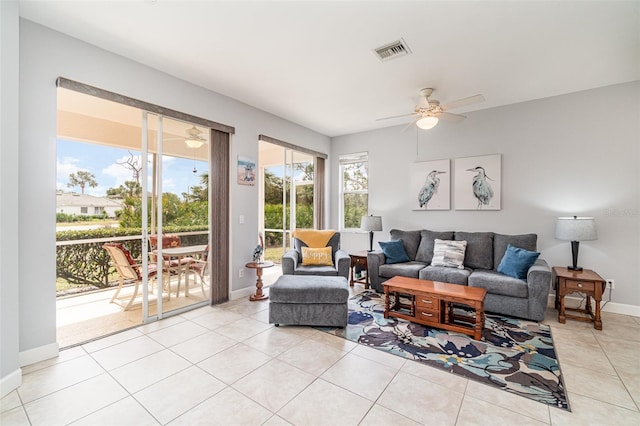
(241, 218)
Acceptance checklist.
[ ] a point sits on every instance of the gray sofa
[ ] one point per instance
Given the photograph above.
(505, 295)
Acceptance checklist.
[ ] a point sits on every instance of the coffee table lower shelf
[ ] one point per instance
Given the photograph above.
(431, 303)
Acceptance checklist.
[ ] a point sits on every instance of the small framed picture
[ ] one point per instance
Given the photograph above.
(246, 170)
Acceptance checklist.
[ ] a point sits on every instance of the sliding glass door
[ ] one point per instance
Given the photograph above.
(175, 218)
(287, 195)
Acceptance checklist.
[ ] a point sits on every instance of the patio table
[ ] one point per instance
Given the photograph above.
(180, 253)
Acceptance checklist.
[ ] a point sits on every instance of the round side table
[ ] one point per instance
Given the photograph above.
(259, 266)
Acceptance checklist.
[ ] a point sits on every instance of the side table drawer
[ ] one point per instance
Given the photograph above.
(360, 261)
(427, 302)
(588, 286)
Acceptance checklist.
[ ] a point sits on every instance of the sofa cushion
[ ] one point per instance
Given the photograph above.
(445, 275)
(427, 239)
(309, 289)
(410, 240)
(449, 253)
(501, 241)
(479, 253)
(517, 261)
(405, 269)
(497, 283)
(393, 251)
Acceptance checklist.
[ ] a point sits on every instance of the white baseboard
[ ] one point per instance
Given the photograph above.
(10, 382)
(622, 308)
(38, 354)
(243, 292)
(611, 307)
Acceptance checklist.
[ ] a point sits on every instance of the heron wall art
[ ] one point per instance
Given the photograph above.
(478, 182)
(431, 185)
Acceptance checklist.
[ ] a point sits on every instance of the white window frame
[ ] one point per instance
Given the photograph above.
(358, 157)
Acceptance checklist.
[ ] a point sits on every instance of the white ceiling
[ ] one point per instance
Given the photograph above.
(312, 62)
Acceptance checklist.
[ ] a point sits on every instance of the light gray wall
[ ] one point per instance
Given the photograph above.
(565, 155)
(45, 55)
(9, 242)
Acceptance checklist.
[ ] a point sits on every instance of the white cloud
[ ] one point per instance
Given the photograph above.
(121, 172)
(64, 168)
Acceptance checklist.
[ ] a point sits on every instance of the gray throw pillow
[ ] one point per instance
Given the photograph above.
(427, 239)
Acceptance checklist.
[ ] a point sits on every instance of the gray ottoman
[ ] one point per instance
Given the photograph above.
(309, 300)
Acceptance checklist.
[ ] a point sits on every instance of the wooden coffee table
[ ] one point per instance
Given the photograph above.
(431, 303)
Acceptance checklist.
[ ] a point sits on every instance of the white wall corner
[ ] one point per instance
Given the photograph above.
(38, 354)
(10, 382)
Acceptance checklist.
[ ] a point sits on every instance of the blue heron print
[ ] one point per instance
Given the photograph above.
(430, 188)
(480, 186)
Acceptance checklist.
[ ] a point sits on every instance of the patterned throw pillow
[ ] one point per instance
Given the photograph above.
(316, 256)
(449, 253)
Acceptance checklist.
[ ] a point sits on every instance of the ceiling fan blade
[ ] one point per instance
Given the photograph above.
(411, 123)
(420, 101)
(463, 102)
(396, 116)
(447, 116)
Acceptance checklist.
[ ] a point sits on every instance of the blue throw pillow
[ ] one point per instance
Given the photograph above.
(394, 251)
(517, 261)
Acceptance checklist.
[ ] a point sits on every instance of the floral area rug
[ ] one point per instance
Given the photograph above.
(514, 355)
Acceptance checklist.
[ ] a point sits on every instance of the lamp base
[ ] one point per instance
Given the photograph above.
(574, 268)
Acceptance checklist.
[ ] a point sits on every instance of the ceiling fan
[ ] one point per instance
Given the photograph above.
(193, 138)
(429, 111)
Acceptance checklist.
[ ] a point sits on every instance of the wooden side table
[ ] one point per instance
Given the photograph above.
(359, 258)
(259, 266)
(585, 281)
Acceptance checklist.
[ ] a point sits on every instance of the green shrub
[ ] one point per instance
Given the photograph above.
(89, 263)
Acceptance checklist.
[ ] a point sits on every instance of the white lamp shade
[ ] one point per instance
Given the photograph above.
(576, 228)
(427, 122)
(371, 223)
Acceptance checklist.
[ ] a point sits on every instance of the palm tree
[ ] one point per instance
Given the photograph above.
(82, 178)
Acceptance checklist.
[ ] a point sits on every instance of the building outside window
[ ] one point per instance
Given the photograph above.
(354, 189)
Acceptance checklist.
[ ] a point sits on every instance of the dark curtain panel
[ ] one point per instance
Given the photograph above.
(219, 220)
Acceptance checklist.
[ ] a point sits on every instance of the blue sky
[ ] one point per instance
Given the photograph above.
(102, 161)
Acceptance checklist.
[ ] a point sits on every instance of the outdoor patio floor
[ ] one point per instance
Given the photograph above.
(88, 316)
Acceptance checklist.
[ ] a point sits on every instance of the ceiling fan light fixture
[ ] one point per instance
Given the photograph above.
(427, 122)
(193, 142)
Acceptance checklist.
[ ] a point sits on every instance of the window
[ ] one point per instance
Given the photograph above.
(98, 210)
(354, 189)
(84, 210)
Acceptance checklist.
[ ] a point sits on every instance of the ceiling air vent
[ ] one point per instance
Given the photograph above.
(393, 50)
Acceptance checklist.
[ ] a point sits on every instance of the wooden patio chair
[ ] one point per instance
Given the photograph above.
(128, 270)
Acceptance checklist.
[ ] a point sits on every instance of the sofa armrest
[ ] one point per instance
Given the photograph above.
(289, 262)
(343, 263)
(539, 279)
(374, 260)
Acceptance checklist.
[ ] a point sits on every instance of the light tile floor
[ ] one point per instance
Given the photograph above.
(226, 365)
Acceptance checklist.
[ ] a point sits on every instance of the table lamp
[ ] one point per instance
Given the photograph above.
(576, 229)
(370, 224)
